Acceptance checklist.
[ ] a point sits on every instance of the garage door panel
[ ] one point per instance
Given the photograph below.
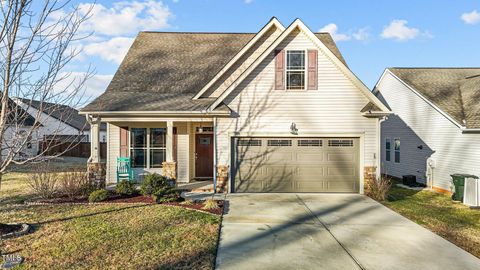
(296, 165)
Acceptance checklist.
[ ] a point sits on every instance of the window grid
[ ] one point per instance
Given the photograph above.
(249, 142)
(388, 148)
(340, 143)
(396, 147)
(295, 70)
(279, 143)
(309, 143)
(146, 147)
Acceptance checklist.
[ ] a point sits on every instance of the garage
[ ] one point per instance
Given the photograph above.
(262, 164)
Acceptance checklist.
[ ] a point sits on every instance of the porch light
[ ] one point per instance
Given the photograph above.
(293, 129)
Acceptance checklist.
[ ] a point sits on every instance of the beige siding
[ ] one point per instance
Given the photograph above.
(183, 152)
(417, 123)
(332, 109)
(113, 148)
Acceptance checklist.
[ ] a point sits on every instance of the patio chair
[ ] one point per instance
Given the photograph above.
(124, 169)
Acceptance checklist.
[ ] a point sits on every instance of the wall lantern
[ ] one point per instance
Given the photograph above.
(293, 129)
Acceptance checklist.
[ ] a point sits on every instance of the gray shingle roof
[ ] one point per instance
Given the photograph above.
(63, 113)
(456, 91)
(162, 71)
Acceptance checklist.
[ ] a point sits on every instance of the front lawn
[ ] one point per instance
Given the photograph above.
(438, 213)
(14, 188)
(113, 236)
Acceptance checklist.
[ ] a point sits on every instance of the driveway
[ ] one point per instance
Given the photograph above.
(328, 231)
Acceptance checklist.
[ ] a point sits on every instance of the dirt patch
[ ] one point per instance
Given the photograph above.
(9, 228)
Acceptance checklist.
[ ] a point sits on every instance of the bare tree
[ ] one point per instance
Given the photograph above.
(37, 41)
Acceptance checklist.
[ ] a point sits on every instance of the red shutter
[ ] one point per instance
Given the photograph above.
(124, 142)
(312, 70)
(279, 69)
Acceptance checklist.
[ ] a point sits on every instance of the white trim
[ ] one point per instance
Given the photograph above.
(270, 24)
(299, 24)
(158, 113)
(421, 96)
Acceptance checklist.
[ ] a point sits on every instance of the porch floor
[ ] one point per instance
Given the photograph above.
(196, 186)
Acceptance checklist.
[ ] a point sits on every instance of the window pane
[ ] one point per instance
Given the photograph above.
(157, 137)
(387, 144)
(157, 157)
(295, 79)
(138, 137)
(397, 156)
(138, 158)
(295, 59)
(397, 144)
(387, 155)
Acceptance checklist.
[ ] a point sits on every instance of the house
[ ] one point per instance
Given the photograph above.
(435, 126)
(273, 111)
(59, 122)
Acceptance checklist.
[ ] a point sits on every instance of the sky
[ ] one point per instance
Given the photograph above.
(371, 34)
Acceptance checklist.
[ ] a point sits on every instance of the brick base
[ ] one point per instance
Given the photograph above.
(222, 179)
(169, 170)
(97, 174)
(369, 174)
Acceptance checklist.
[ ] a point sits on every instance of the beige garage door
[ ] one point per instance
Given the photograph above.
(295, 164)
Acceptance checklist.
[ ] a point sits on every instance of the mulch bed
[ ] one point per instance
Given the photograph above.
(199, 206)
(9, 228)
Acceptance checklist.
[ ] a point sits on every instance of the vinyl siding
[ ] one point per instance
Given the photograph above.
(332, 109)
(113, 152)
(418, 123)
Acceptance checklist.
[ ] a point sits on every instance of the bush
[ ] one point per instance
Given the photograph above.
(44, 182)
(167, 195)
(75, 184)
(154, 184)
(98, 195)
(125, 188)
(210, 204)
(378, 189)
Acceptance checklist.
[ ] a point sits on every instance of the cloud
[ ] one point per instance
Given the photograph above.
(125, 18)
(361, 35)
(112, 50)
(248, 1)
(398, 30)
(94, 86)
(471, 18)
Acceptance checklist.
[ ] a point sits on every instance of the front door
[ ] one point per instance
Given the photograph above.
(204, 155)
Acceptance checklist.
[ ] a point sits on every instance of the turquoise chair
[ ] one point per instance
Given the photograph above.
(124, 169)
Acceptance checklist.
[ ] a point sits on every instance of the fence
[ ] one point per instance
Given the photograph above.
(81, 149)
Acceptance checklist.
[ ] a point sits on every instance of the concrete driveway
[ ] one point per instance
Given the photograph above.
(328, 231)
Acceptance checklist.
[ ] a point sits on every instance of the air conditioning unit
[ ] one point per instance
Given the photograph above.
(472, 192)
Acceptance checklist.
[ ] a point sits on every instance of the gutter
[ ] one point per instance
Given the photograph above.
(157, 113)
(470, 130)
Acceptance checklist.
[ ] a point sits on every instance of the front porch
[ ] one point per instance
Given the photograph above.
(179, 148)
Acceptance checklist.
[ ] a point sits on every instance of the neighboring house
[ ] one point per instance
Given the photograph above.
(434, 130)
(274, 111)
(59, 122)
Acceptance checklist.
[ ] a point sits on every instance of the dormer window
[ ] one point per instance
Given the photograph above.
(295, 70)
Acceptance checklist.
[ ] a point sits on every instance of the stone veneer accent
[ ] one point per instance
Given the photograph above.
(222, 179)
(169, 170)
(97, 174)
(369, 174)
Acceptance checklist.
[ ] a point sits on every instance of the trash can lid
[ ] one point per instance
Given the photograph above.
(464, 175)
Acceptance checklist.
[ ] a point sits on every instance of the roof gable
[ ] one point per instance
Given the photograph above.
(298, 25)
(454, 91)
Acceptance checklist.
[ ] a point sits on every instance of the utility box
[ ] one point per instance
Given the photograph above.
(471, 195)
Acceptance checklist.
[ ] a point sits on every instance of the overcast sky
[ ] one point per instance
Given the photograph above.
(372, 35)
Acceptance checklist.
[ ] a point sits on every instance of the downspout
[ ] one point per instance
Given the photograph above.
(215, 155)
(379, 152)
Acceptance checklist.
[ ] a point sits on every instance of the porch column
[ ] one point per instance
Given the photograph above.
(169, 155)
(94, 139)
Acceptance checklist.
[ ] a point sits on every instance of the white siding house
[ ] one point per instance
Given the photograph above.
(280, 103)
(433, 143)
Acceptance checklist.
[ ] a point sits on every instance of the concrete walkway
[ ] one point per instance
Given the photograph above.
(328, 231)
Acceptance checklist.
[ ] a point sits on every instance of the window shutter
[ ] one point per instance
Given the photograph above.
(279, 69)
(124, 142)
(312, 70)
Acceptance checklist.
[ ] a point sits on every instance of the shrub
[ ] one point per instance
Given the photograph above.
(44, 182)
(154, 184)
(167, 195)
(75, 184)
(378, 189)
(98, 195)
(125, 188)
(210, 204)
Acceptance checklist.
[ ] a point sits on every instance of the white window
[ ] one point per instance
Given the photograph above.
(397, 150)
(147, 147)
(295, 71)
(388, 149)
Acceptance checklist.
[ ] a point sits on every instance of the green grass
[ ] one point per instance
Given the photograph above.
(14, 188)
(113, 237)
(437, 212)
